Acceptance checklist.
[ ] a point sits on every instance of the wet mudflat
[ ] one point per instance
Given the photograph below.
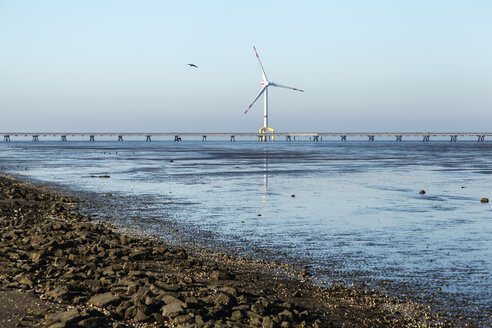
(357, 215)
(102, 277)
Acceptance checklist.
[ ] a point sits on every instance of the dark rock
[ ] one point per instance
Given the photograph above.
(229, 290)
(183, 319)
(141, 316)
(93, 322)
(130, 312)
(267, 322)
(122, 307)
(172, 310)
(169, 299)
(484, 200)
(225, 300)
(65, 317)
(258, 308)
(286, 315)
(59, 294)
(102, 300)
(421, 191)
(236, 315)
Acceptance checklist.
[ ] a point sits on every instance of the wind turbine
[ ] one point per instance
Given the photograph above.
(264, 90)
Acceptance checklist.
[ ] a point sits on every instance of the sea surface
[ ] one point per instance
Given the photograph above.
(349, 211)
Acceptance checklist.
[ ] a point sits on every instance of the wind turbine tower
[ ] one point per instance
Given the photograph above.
(265, 84)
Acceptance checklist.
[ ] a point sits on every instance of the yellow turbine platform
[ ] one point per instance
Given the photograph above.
(264, 136)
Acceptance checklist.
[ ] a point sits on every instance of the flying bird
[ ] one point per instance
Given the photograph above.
(192, 65)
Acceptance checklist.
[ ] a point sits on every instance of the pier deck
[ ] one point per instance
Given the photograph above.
(314, 136)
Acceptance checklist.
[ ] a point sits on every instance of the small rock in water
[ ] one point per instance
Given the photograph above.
(484, 200)
(421, 191)
(292, 195)
(171, 161)
(258, 214)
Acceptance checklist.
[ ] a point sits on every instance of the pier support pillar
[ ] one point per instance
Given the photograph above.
(148, 139)
(343, 138)
(6, 138)
(399, 138)
(288, 138)
(91, 138)
(454, 138)
(233, 138)
(35, 138)
(204, 138)
(177, 138)
(481, 138)
(426, 138)
(63, 138)
(120, 138)
(315, 138)
(371, 138)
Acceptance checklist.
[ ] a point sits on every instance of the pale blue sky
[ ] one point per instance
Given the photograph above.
(364, 65)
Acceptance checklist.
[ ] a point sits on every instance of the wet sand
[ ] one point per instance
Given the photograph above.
(79, 272)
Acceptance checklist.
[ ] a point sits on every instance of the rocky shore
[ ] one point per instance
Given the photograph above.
(59, 268)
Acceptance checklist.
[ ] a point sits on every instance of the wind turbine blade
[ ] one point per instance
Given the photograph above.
(261, 66)
(258, 96)
(284, 86)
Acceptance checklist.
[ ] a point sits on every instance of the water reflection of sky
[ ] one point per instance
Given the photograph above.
(356, 204)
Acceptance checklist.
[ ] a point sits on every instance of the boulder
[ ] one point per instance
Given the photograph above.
(65, 318)
(172, 310)
(103, 300)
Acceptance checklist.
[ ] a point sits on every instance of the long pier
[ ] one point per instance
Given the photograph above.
(289, 136)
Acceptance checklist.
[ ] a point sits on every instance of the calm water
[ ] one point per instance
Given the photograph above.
(357, 214)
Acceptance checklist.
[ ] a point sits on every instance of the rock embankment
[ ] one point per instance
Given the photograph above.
(108, 279)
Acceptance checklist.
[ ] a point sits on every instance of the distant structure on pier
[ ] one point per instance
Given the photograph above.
(264, 90)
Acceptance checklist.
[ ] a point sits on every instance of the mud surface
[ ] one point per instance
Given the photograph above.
(78, 272)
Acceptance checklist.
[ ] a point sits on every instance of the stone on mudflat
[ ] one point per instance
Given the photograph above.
(286, 315)
(225, 300)
(130, 312)
(172, 310)
(191, 301)
(484, 200)
(66, 318)
(229, 290)
(102, 300)
(152, 301)
(169, 299)
(59, 294)
(184, 319)
(258, 308)
(93, 322)
(122, 307)
(267, 322)
(141, 316)
(236, 315)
